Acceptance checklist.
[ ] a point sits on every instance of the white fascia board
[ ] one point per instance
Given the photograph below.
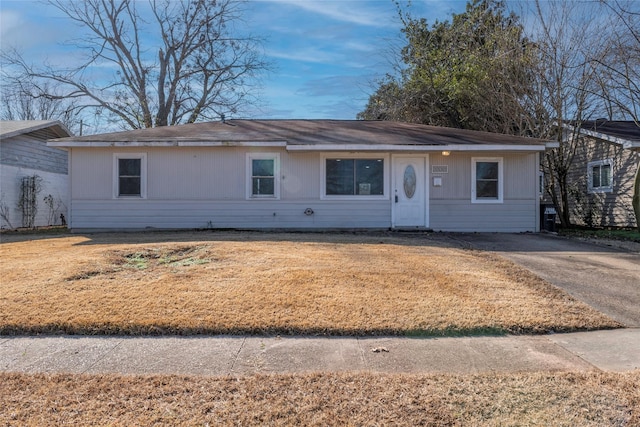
(632, 145)
(195, 143)
(416, 148)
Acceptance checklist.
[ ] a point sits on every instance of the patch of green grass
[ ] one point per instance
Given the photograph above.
(137, 260)
(52, 229)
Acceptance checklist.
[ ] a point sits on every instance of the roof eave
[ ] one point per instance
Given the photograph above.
(417, 148)
(632, 145)
(56, 127)
(172, 143)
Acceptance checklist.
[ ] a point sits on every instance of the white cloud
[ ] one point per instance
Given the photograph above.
(10, 24)
(306, 55)
(354, 12)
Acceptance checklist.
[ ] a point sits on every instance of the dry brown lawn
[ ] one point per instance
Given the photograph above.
(536, 399)
(268, 283)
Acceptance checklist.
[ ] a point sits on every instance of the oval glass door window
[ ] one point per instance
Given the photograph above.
(409, 181)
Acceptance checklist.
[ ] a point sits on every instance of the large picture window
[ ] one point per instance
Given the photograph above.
(130, 175)
(599, 176)
(263, 181)
(354, 176)
(487, 181)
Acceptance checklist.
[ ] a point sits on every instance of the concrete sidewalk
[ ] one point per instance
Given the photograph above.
(616, 350)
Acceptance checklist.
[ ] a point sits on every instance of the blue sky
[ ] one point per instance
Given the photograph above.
(325, 54)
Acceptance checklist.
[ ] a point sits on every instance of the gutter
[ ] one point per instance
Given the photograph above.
(421, 148)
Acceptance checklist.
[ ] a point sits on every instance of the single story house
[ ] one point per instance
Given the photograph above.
(33, 176)
(602, 174)
(304, 174)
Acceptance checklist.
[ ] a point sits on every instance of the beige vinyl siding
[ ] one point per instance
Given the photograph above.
(520, 175)
(174, 214)
(91, 172)
(451, 208)
(600, 208)
(512, 216)
(205, 187)
(194, 173)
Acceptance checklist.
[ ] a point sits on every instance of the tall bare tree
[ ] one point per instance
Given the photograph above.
(175, 61)
(619, 67)
(564, 82)
(619, 71)
(22, 102)
(587, 69)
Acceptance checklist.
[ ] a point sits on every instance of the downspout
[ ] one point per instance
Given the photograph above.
(70, 190)
(636, 197)
(538, 194)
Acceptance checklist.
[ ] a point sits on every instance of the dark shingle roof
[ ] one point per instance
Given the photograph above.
(308, 132)
(627, 130)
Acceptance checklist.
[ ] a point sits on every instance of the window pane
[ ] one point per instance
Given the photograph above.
(340, 177)
(487, 170)
(606, 176)
(370, 177)
(263, 167)
(596, 176)
(129, 174)
(263, 186)
(129, 167)
(487, 189)
(129, 186)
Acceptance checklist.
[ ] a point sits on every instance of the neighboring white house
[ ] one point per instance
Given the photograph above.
(304, 174)
(30, 171)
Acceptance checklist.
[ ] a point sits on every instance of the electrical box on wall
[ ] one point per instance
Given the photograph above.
(437, 181)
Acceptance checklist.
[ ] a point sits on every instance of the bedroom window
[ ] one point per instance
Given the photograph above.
(264, 171)
(130, 171)
(356, 177)
(486, 180)
(599, 176)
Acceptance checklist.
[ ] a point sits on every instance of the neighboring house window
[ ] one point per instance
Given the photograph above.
(357, 177)
(599, 176)
(486, 180)
(264, 176)
(130, 173)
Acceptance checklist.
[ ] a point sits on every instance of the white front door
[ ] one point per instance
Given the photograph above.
(409, 192)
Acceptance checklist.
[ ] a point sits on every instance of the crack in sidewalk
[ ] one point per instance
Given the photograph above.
(104, 355)
(235, 359)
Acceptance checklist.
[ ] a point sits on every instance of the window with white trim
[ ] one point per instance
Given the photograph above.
(354, 176)
(600, 176)
(486, 180)
(130, 175)
(263, 181)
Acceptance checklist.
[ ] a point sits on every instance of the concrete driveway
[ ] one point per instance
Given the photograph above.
(605, 277)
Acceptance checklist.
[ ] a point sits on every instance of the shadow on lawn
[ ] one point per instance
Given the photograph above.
(505, 242)
(441, 240)
(166, 330)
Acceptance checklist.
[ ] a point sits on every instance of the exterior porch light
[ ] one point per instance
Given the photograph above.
(446, 153)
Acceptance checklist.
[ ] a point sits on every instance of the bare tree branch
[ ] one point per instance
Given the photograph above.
(174, 62)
